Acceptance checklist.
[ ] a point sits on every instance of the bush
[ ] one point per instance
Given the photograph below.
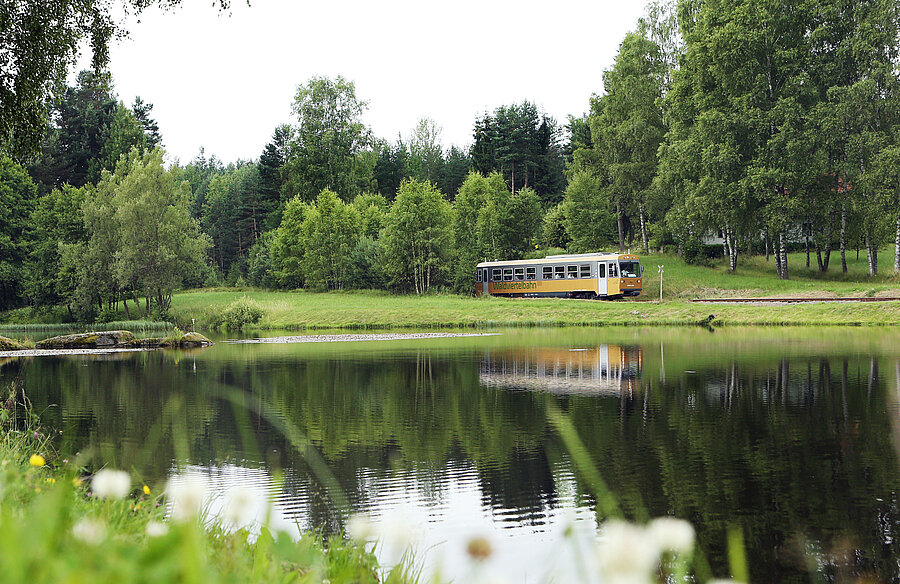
(239, 314)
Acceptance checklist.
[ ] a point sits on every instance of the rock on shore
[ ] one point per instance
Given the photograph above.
(97, 340)
(11, 345)
(120, 340)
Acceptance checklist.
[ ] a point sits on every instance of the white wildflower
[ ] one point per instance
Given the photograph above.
(360, 528)
(675, 535)
(89, 531)
(157, 529)
(627, 553)
(187, 496)
(398, 532)
(111, 484)
(241, 506)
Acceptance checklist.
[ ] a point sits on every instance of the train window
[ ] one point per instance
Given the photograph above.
(585, 270)
(630, 269)
(507, 274)
(559, 272)
(520, 273)
(572, 271)
(613, 270)
(547, 272)
(478, 275)
(495, 275)
(531, 273)
(601, 270)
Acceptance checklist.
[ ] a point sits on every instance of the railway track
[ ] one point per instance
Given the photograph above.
(793, 300)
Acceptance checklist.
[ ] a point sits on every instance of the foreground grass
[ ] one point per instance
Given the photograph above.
(53, 530)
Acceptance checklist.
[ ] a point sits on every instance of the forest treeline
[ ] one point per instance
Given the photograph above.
(772, 125)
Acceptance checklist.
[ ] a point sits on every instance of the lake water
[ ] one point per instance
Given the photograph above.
(791, 434)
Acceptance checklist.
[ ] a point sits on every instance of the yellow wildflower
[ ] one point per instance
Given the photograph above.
(146, 490)
(37, 460)
(51, 480)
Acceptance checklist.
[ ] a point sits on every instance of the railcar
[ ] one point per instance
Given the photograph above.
(589, 275)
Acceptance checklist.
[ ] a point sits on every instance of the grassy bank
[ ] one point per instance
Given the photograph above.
(755, 277)
(377, 310)
(682, 283)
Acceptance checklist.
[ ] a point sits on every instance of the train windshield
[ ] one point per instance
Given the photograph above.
(630, 269)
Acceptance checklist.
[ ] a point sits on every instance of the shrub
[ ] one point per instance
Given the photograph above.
(240, 313)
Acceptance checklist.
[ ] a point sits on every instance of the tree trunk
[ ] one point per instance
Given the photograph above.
(806, 229)
(782, 253)
(733, 252)
(125, 304)
(897, 248)
(844, 238)
(621, 227)
(726, 244)
(644, 230)
(137, 303)
(777, 263)
(767, 244)
(871, 254)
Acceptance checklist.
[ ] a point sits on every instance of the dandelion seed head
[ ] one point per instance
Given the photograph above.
(241, 506)
(188, 496)
(360, 528)
(672, 534)
(111, 484)
(398, 532)
(157, 529)
(627, 553)
(90, 531)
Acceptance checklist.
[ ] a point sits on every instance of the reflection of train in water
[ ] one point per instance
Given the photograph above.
(600, 370)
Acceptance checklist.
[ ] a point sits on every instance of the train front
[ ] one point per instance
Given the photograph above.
(630, 275)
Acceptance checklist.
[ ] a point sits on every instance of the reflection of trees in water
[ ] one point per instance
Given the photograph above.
(797, 451)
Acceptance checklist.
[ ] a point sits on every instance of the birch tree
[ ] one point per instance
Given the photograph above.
(417, 237)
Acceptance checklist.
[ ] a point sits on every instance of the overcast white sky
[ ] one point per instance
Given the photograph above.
(225, 82)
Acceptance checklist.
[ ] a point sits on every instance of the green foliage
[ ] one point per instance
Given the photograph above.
(417, 238)
(142, 239)
(365, 270)
(17, 198)
(589, 217)
(260, 261)
(372, 210)
(240, 313)
(327, 139)
(89, 131)
(234, 212)
(523, 145)
(554, 232)
(329, 233)
(287, 244)
(56, 220)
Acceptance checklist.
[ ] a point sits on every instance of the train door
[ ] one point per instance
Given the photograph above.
(612, 278)
(601, 279)
(484, 281)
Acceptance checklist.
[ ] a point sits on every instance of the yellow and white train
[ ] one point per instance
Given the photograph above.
(589, 275)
